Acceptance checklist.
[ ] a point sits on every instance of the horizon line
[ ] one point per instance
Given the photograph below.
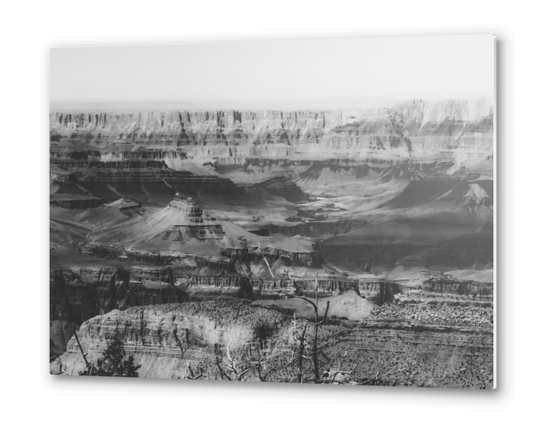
(197, 105)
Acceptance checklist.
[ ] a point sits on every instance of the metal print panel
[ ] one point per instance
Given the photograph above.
(302, 211)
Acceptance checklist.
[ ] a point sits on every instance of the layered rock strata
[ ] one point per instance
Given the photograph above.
(165, 333)
(414, 128)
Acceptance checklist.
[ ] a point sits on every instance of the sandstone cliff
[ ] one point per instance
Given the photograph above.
(415, 128)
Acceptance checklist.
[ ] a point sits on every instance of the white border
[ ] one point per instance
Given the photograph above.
(29, 29)
(495, 226)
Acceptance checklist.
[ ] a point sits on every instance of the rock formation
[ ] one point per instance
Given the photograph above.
(161, 335)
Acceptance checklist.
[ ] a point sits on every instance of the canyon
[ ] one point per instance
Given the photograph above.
(173, 224)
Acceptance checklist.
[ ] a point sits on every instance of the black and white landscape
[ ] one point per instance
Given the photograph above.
(315, 211)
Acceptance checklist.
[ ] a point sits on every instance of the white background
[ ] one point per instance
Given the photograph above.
(29, 29)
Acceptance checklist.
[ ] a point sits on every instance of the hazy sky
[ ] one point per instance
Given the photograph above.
(323, 73)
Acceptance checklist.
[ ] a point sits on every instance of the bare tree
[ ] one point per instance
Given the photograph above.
(237, 365)
(316, 324)
(235, 368)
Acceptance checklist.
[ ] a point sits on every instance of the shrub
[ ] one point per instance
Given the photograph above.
(113, 363)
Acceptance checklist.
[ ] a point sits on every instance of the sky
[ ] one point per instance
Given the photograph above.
(316, 73)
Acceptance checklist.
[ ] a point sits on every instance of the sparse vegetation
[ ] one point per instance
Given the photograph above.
(113, 363)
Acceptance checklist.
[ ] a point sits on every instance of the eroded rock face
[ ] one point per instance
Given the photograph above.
(415, 127)
(82, 293)
(156, 334)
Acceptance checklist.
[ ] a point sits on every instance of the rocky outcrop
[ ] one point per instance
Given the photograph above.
(165, 333)
(310, 259)
(459, 287)
(193, 223)
(81, 293)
